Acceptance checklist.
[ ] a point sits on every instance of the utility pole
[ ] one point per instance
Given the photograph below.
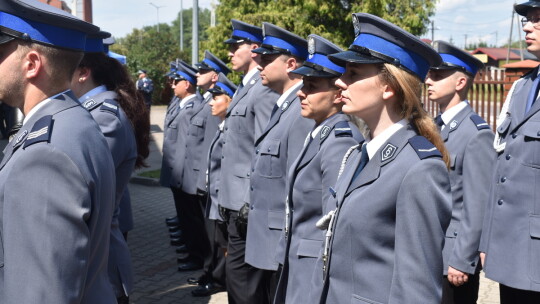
(181, 25)
(519, 38)
(87, 4)
(465, 46)
(432, 30)
(195, 38)
(157, 10)
(510, 38)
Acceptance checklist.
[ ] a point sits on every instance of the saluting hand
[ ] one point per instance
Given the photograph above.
(456, 277)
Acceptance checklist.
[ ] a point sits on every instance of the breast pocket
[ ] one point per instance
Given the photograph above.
(531, 132)
(172, 132)
(196, 127)
(309, 248)
(269, 163)
(238, 123)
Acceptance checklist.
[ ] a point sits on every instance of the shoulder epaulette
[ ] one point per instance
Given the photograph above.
(423, 147)
(343, 129)
(110, 105)
(90, 104)
(41, 131)
(480, 123)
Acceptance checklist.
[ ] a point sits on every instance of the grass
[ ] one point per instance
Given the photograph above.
(150, 174)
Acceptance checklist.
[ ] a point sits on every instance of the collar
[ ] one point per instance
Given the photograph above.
(316, 131)
(185, 100)
(93, 92)
(284, 96)
(39, 106)
(206, 94)
(221, 125)
(449, 114)
(373, 145)
(248, 76)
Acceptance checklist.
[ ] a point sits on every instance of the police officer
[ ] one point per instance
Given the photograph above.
(145, 85)
(105, 89)
(184, 86)
(245, 120)
(392, 203)
(213, 279)
(57, 175)
(314, 171)
(468, 139)
(201, 130)
(511, 234)
(276, 148)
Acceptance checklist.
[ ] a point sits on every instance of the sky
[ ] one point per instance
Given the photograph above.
(472, 21)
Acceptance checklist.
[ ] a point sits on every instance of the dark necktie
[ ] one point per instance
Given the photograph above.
(364, 159)
(439, 121)
(532, 94)
(240, 87)
(274, 110)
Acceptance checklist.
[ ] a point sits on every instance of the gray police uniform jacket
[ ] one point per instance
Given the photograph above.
(276, 149)
(116, 127)
(202, 128)
(469, 140)
(315, 171)
(389, 229)
(214, 175)
(58, 192)
(511, 231)
(247, 117)
(174, 142)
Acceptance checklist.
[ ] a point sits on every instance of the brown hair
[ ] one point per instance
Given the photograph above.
(109, 72)
(408, 89)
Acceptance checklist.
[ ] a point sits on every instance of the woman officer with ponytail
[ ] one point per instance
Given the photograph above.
(391, 206)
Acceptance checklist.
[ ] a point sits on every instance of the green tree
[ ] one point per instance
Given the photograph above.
(330, 19)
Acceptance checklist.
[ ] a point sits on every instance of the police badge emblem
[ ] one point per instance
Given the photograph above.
(325, 131)
(453, 124)
(285, 106)
(356, 25)
(388, 152)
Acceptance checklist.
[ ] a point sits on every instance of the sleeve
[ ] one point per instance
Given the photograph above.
(262, 108)
(46, 235)
(423, 213)
(478, 161)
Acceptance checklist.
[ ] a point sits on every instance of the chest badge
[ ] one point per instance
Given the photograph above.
(453, 124)
(388, 152)
(325, 131)
(285, 106)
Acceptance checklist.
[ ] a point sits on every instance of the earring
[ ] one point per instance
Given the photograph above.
(81, 79)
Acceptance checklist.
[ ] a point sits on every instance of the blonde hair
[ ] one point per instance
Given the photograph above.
(407, 88)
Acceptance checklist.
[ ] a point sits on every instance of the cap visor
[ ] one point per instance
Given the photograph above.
(345, 57)
(522, 8)
(233, 41)
(5, 38)
(310, 72)
(265, 51)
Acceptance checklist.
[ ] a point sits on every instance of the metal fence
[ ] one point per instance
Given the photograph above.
(486, 96)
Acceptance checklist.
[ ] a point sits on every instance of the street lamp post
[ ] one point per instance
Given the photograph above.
(181, 25)
(157, 10)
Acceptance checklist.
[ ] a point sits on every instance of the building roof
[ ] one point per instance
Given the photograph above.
(528, 63)
(500, 53)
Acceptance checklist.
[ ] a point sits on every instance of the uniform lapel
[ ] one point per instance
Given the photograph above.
(455, 122)
(241, 93)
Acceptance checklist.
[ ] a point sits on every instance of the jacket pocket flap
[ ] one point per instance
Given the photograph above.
(276, 219)
(270, 147)
(309, 248)
(534, 225)
(532, 129)
(239, 110)
(452, 230)
(199, 122)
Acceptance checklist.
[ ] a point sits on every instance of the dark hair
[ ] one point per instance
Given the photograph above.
(109, 72)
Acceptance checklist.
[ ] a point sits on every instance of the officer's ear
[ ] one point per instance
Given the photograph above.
(252, 47)
(82, 74)
(33, 64)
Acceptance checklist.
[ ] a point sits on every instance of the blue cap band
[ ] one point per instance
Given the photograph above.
(94, 45)
(212, 65)
(247, 35)
(323, 61)
(456, 61)
(187, 77)
(296, 51)
(45, 33)
(409, 59)
(225, 88)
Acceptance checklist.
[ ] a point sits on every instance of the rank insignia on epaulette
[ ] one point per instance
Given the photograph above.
(189, 105)
(110, 106)
(325, 131)
(479, 122)
(40, 131)
(423, 147)
(388, 152)
(342, 129)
